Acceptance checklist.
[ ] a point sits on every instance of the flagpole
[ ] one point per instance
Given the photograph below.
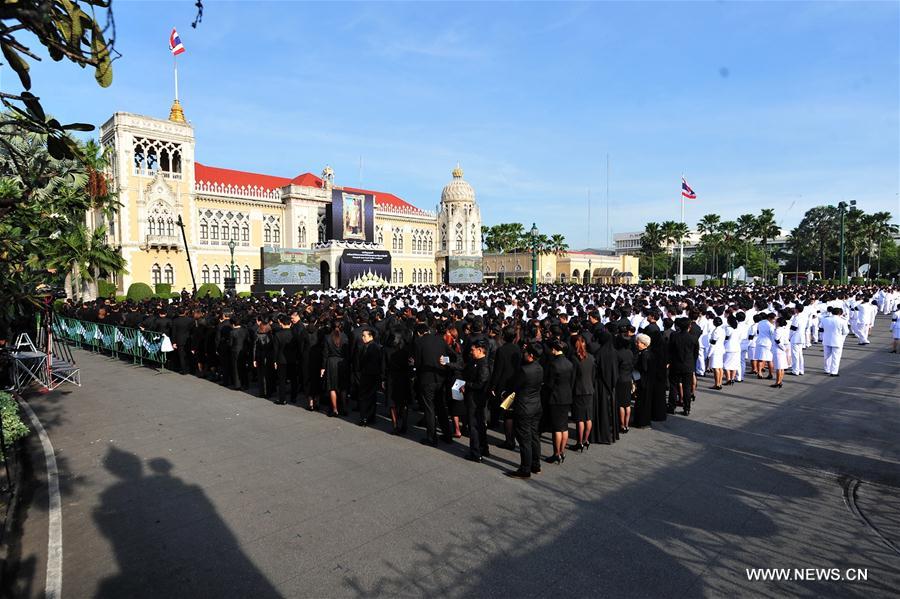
(681, 244)
(175, 60)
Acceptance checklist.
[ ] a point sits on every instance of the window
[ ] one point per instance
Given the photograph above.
(301, 235)
(215, 232)
(217, 275)
(156, 274)
(245, 233)
(267, 234)
(395, 278)
(401, 275)
(170, 227)
(234, 232)
(204, 274)
(225, 233)
(204, 230)
(459, 242)
(169, 274)
(246, 275)
(276, 234)
(151, 226)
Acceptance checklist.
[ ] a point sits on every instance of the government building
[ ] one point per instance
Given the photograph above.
(158, 179)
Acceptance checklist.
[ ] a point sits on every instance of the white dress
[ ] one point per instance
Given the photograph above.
(895, 325)
(779, 348)
(732, 349)
(717, 348)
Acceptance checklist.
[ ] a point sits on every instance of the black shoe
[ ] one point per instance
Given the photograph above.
(446, 439)
(509, 446)
(429, 442)
(586, 445)
(553, 459)
(363, 423)
(670, 410)
(834, 375)
(535, 471)
(474, 458)
(280, 403)
(517, 474)
(577, 447)
(687, 412)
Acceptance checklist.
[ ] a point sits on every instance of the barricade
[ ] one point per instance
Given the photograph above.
(118, 341)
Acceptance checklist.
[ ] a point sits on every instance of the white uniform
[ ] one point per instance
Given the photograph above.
(780, 348)
(732, 359)
(867, 312)
(717, 347)
(798, 329)
(765, 338)
(895, 325)
(834, 330)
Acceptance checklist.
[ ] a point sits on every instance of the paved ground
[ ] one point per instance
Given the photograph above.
(173, 487)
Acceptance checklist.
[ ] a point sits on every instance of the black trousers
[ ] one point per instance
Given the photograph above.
(475, 405)
(295, 373)
(264, 374)
(685, 379)
(368, 387)
(281, 372)
(528, 434)
(239, 367)
(433, 405)
(184, 362)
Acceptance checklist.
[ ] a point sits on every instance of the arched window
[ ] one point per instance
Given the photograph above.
(156, 274)
(169, 274)
(301, 235)
(267, 234)
(204, 274)
(379, 236)
(151, 226)
(401, 275)
(234, 232)
(276, 234)
(245, 233)
(459, 242)
(204, 230)
(217, 275)
(214, 231)
(246, 275)
(170, 227)
(394, 276)
(225, 235)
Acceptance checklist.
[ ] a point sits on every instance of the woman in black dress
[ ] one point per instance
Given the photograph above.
(334, 367)
(263, 357)
(643, 371)
(625, 366)
(606, 429)
(583, 401)
(310, 361)
(559, 381)
(456, 408)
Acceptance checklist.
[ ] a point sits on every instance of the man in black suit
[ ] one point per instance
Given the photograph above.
(477, 376)
(507, 360)
(370, 365)
(298, 348)
(182, 325)
(527, 410)
(431, 359)
(683, 351)
(240, 347)
(283, 339)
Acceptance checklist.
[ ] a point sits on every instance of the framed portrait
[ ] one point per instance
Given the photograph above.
(354, 217)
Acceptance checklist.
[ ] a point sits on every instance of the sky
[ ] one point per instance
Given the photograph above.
(784, 105)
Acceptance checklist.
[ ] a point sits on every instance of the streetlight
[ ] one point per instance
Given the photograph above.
(590, 273)
(842, 209)
(534, 237)
(231, 246)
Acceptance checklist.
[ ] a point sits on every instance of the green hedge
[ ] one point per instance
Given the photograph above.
(209, 290)
(880, 281)
(105, 288)
(244, 294)
(857, 281)
(690, 282)
(139, 291)
(121, 298)
(163, 289)
(13, 427)
(273, 293)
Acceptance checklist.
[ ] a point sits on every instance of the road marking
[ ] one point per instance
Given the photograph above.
(53, 586)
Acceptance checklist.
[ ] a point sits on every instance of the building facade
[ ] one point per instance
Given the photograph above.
(580, 267)
(161, 186)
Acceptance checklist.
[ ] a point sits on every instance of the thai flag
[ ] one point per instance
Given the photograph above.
(175, 44)
(686, 190)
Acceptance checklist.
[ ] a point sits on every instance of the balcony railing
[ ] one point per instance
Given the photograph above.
(162, 241)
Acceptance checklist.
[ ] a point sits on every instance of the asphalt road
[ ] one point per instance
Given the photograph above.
(175, 487)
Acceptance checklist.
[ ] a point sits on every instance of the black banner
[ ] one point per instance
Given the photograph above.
(365, 268)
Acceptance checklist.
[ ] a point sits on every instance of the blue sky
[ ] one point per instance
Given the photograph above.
(782, 105)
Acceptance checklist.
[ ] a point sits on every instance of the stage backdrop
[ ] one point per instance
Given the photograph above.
(365, 268)
(463, 270)
(352, 216)
(289, 268)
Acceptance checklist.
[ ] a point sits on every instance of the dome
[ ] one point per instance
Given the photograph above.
(458, 190)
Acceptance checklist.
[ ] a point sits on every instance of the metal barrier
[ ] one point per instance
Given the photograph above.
(118, 341)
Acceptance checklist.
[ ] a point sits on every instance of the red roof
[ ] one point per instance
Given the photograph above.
(226, 176)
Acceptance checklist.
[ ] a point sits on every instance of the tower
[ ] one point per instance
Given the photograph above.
(459, 219)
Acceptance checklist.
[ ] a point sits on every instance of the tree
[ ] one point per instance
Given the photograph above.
(558, 244)
(766, 229)
(673, 233)
(730, 242)
(746, 230)
(84, 254)
(651, 244)
(709, 235)
(879, 231)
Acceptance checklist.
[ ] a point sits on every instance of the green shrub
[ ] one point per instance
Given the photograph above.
(857, 281)
(121, 298)
(244, 294)
(273, 293)
(139, 291)
(209, 290)
(690, 282)
(881, 281)
(105, 288)
(13, 427)
(163, 288)
(58, 305)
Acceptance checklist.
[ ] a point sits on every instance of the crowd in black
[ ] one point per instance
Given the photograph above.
(570, 353)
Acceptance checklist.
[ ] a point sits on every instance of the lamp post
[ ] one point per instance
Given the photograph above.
(590, 273)
(231, 246)
(842, 209)
(534, 237)
(187, 252)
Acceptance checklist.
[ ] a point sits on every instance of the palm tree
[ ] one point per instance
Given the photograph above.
(730, 241)
(879, 230)
(673, 234)
(558, 244)
(766, 229)
(651, 243)
(746, 229)
(709, 230)
(84, 253)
